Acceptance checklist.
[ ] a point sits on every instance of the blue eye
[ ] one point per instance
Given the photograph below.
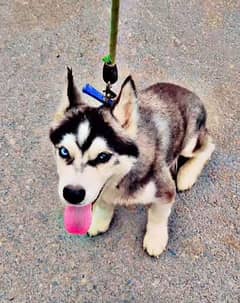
(63, 153)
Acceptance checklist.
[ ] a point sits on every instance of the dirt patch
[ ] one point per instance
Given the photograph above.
(232, 242)
(194, 248)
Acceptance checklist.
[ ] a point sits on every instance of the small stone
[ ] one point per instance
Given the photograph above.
(172, 252)
(194, 248)
(129, 282)
(176, 41)
(83, 281)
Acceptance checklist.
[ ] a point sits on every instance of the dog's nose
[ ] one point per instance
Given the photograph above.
(74, 195)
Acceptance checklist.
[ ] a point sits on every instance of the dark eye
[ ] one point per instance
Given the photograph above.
(64, 153)
(101, 158)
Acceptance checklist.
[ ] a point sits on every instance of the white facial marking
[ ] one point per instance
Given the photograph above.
(98, 145)
(90, 178)
(83, 132)
(68, 139)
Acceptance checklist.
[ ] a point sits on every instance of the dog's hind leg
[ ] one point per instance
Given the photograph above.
(102, 217)
(199, 156)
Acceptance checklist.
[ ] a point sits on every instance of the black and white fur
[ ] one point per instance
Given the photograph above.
(127, 154)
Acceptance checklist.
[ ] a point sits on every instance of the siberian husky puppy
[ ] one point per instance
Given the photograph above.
(127, 154)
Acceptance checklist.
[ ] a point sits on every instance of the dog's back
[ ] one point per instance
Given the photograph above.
(173, 116)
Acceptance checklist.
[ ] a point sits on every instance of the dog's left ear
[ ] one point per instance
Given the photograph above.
(126, 108)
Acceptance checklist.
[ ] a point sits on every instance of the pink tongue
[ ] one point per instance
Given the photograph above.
(77, 220)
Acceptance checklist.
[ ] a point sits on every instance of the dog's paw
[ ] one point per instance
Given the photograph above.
(101, 220)
(187, 176)
(155, 243)
(98, 226)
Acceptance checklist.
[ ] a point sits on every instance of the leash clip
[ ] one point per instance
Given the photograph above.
(109, 94)
(110, 76)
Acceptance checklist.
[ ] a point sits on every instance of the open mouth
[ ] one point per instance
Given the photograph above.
(78, 219)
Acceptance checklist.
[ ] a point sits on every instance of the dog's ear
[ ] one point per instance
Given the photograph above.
(126, 109)
(73, 93)
(70, 98)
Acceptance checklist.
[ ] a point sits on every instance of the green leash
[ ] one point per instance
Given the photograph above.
(110, 72)
(110, 59)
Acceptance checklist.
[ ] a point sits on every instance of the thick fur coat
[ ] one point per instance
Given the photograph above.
(128, 153)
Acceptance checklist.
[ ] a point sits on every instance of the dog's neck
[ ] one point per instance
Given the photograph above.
(141, 171)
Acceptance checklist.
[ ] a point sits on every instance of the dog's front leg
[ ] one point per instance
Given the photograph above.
(102, 216)
(156, 236)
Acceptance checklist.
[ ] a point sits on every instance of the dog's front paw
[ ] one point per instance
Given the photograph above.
(98, 226)
(155, 242)
(101, 220)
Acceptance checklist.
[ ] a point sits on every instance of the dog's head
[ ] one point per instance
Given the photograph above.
(93, 146)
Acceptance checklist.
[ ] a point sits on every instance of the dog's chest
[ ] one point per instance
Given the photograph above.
(145, 195)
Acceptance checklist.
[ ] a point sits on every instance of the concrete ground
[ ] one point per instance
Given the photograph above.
(192, 43)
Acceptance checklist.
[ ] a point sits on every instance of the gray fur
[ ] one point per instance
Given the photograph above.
(168, 119)
(145, 136)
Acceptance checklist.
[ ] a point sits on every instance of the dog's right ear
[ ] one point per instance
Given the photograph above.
(73, 93)
(71, 98)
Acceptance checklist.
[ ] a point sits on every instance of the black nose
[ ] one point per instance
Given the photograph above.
(73, 195)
